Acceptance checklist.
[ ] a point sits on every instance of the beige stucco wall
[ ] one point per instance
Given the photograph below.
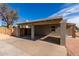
(5, 30)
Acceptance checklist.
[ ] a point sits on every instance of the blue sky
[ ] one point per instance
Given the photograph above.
(36, 11)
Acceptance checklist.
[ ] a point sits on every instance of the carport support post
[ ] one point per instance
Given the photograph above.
(62, 32)
(17, 31)
(32, 32)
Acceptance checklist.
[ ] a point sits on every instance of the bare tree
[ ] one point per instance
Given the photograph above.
(7, 15)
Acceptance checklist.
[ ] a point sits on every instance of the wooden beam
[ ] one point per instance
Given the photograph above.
(62, 32)
(43, 22)
(46, 22)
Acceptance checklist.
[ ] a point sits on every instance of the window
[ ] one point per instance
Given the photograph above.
(53, 28)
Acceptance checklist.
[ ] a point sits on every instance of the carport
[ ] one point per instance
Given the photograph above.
(54, 22)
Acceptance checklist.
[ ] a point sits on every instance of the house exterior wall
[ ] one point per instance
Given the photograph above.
(56, 32)
(42, 30)
(69, 31)
(39, 30)
(46, 30)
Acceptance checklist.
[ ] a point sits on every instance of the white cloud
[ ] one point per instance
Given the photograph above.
(27, 20)
(69, 11)
(66, 11)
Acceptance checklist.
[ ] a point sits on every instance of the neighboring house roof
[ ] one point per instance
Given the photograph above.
(71, 24)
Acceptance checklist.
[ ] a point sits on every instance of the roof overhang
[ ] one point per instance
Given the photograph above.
(43, 22)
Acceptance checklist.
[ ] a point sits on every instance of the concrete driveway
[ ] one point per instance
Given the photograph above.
(13, 46)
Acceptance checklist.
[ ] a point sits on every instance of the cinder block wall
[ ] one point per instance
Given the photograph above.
(57, 31)
(69, 31)
(42, 30)
(46, 30)
(39, 30)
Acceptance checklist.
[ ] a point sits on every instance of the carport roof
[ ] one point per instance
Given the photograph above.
(43, 21)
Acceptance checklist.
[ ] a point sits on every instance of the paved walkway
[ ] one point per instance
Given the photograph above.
(12, 46)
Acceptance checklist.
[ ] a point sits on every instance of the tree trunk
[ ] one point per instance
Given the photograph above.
(8, 25)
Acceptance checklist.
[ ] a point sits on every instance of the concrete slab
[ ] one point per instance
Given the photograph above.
(17, 46)
(40, 48)
(10, 50)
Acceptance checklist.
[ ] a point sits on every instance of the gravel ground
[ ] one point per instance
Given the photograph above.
(72, 45)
